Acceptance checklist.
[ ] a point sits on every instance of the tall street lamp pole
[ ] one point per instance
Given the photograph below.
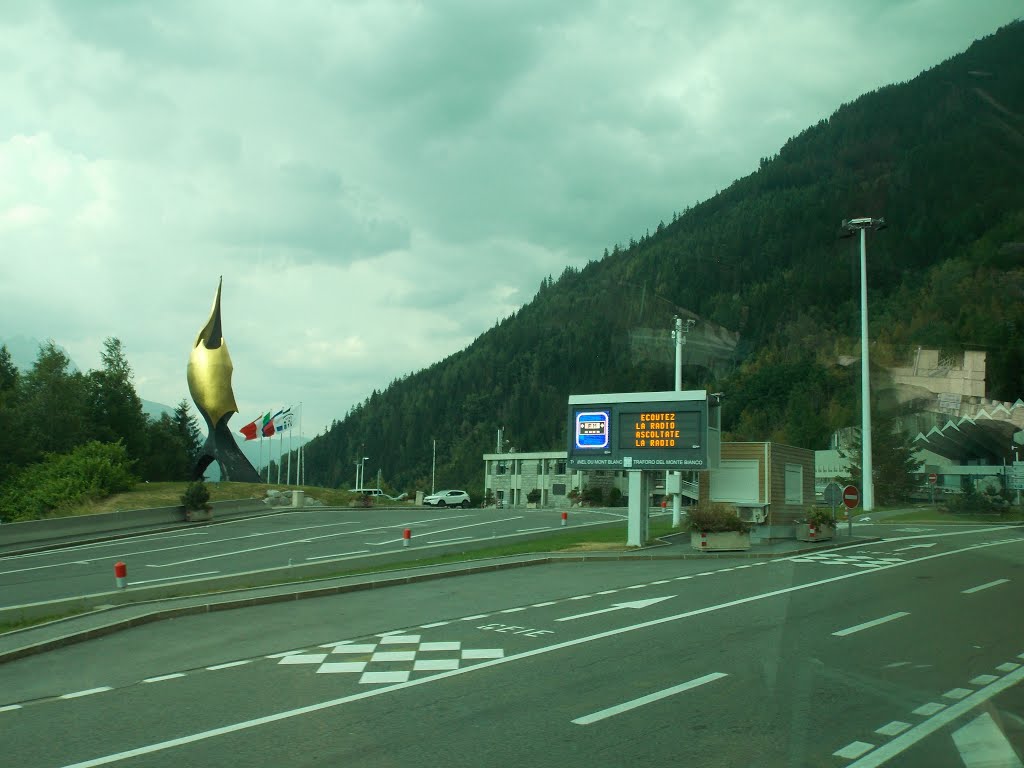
(867, 479)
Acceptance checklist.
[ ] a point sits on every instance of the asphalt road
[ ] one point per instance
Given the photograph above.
(351, 536)
(908, 652)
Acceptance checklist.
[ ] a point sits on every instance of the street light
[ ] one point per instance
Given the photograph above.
(361, 477)
(868, 481)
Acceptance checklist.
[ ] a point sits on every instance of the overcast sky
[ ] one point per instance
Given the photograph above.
(380, 182)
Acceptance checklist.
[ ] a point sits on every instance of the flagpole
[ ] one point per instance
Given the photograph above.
(301, 471)
(290, 457)
(280, 447)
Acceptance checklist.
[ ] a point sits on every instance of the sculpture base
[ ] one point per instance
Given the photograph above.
(221, 447)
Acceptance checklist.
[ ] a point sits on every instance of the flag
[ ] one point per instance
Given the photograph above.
(283, 420)
(252, 429)
(268, 424)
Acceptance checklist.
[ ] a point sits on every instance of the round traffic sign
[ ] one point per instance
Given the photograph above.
(851, 496)
(933, 478)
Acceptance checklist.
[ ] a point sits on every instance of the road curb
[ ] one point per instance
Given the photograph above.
(388, 580)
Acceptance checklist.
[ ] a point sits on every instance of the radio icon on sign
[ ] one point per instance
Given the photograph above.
(592, 429)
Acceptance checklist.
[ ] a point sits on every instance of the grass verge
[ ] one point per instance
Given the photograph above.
(937, 515)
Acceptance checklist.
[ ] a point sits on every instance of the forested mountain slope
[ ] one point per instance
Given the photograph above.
(940, 157)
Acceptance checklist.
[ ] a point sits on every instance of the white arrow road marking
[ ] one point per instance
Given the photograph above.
(916, 546)
(981, 743)
(618, 607)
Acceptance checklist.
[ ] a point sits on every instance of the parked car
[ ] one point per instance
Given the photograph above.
(451, 498)
(368, 491)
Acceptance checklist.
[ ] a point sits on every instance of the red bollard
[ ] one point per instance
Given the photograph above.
(565, 516)
(120, 575)
(406, 535)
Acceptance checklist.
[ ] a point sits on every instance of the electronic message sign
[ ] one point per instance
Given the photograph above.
(644, 430)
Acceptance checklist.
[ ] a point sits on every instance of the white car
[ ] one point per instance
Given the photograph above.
(447, 499)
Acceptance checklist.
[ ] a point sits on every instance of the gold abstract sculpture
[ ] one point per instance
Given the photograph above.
(209, 382)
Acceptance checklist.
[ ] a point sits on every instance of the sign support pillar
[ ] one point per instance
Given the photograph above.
(639, 503)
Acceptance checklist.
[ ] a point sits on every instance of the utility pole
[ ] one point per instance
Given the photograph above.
(678, 334)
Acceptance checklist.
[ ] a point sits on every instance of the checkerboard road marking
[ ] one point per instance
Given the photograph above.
(837, 558)
(393, 658)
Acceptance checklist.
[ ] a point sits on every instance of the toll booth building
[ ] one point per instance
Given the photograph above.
(770, 484)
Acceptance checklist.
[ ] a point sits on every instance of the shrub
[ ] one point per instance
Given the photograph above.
(715, 518)
(62, 481)
(533, 496)
(614, 497)
(196, 495)
(819, 516)
(593, 495)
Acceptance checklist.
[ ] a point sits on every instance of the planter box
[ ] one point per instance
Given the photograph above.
(198, 515)
(725, 541)
(808, 532)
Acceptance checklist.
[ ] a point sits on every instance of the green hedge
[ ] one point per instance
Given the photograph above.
(91, 471)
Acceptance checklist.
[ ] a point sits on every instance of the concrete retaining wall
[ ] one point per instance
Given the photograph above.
(33, 532)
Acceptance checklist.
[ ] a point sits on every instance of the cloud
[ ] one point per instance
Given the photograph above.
(380, 182)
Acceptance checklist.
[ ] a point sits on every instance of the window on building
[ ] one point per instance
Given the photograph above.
(794, 484)
(558, 489)
(540, 467)
(500, 468)
(560, 467)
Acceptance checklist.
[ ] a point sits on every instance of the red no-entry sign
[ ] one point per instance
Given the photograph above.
(933, 478)
(851, 496)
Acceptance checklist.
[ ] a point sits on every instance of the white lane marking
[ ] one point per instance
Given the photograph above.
(339, 554)
(88, 692)
(282, 654)
(984, 679)
(398, 639)
(448, 541)
(942, 719)
(10, 707)
(244, 725)
(895, 728)
(161, 678)
(584, 597)
(435, 624)
(1007, 667)
(660, 581)
(982, 744)
(229, 664)
(482, 653)
(929, 709)
(171, 578)
(475, 616)
(980, 587)
(853, 749)
(446, 530)
(897, 664)
(957, 694)
(514, 610)
(618, 607)
(870, 624)
(304, 658)
(545, 604)
(618, 709)
(290, 542)
(533, 530)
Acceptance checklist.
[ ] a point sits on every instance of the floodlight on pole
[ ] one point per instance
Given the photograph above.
(867, 477)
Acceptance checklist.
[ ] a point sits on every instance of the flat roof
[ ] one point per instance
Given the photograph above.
(639, 397)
